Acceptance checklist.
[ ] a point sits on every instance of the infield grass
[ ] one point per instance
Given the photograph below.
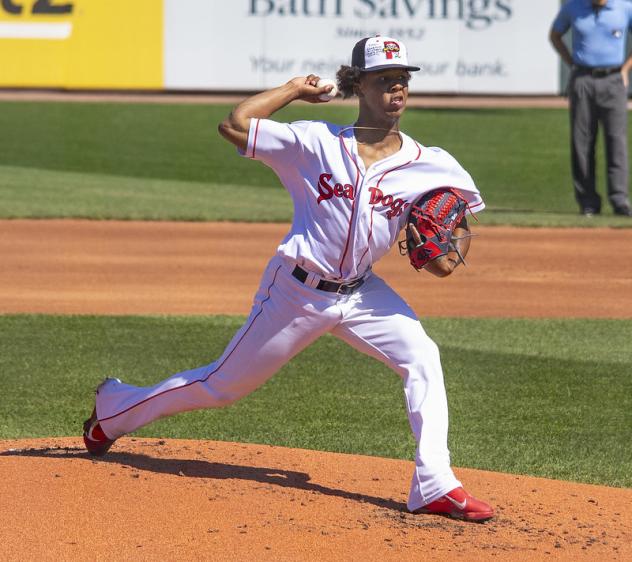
(549, 398)
(166, 161)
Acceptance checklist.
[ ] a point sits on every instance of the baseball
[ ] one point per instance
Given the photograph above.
(327, 82)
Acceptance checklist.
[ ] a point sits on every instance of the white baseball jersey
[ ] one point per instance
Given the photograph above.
(345, 216)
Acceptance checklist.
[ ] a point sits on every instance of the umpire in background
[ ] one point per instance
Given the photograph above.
(598, 94)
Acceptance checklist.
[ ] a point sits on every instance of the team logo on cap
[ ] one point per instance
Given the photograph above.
(391, 48)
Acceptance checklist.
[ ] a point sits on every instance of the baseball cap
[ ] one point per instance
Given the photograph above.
(379, 53)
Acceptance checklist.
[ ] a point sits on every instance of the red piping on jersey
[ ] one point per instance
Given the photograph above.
(355, 198)
(214, 370)
(418, 151)
(368, 240)
(254, 143)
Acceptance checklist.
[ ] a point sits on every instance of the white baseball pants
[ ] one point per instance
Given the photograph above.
(286, 317)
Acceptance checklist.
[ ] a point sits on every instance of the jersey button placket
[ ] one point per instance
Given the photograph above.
(359, 171)
(364, 223)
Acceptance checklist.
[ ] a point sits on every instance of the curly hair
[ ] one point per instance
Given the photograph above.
(347, 77)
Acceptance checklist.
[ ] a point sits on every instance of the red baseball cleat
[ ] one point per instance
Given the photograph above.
(460, 505)
(96, 441)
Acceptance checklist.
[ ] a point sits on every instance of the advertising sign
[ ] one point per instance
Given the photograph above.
(81, 43)
(463, 46)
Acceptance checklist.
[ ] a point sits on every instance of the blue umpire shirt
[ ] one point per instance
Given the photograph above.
(599, 35)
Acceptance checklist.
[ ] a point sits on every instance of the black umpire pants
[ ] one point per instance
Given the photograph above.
(599, 99)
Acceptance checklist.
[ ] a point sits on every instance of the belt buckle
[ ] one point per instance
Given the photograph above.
(351, 286)
(340, 287)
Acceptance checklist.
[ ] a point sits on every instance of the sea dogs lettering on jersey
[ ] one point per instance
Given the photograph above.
(397, 205)
(327, 191)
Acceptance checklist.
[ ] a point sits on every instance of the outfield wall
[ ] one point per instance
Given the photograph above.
(463, 46)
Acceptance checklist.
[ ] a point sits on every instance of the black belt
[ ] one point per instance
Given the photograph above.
(330, 286)
(597, 71)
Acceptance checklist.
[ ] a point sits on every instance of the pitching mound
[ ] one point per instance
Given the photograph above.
(153, 499)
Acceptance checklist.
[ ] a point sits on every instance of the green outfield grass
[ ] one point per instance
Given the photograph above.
(135, 161)
(543, 397)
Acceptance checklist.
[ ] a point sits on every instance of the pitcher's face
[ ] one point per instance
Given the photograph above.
(385, 91)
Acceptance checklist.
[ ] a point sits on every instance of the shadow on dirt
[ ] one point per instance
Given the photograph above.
(205, 469)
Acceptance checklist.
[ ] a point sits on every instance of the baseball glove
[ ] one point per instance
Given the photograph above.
(430, 227)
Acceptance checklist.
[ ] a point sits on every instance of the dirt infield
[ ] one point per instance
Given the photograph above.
(213, 268)
(183, 500)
